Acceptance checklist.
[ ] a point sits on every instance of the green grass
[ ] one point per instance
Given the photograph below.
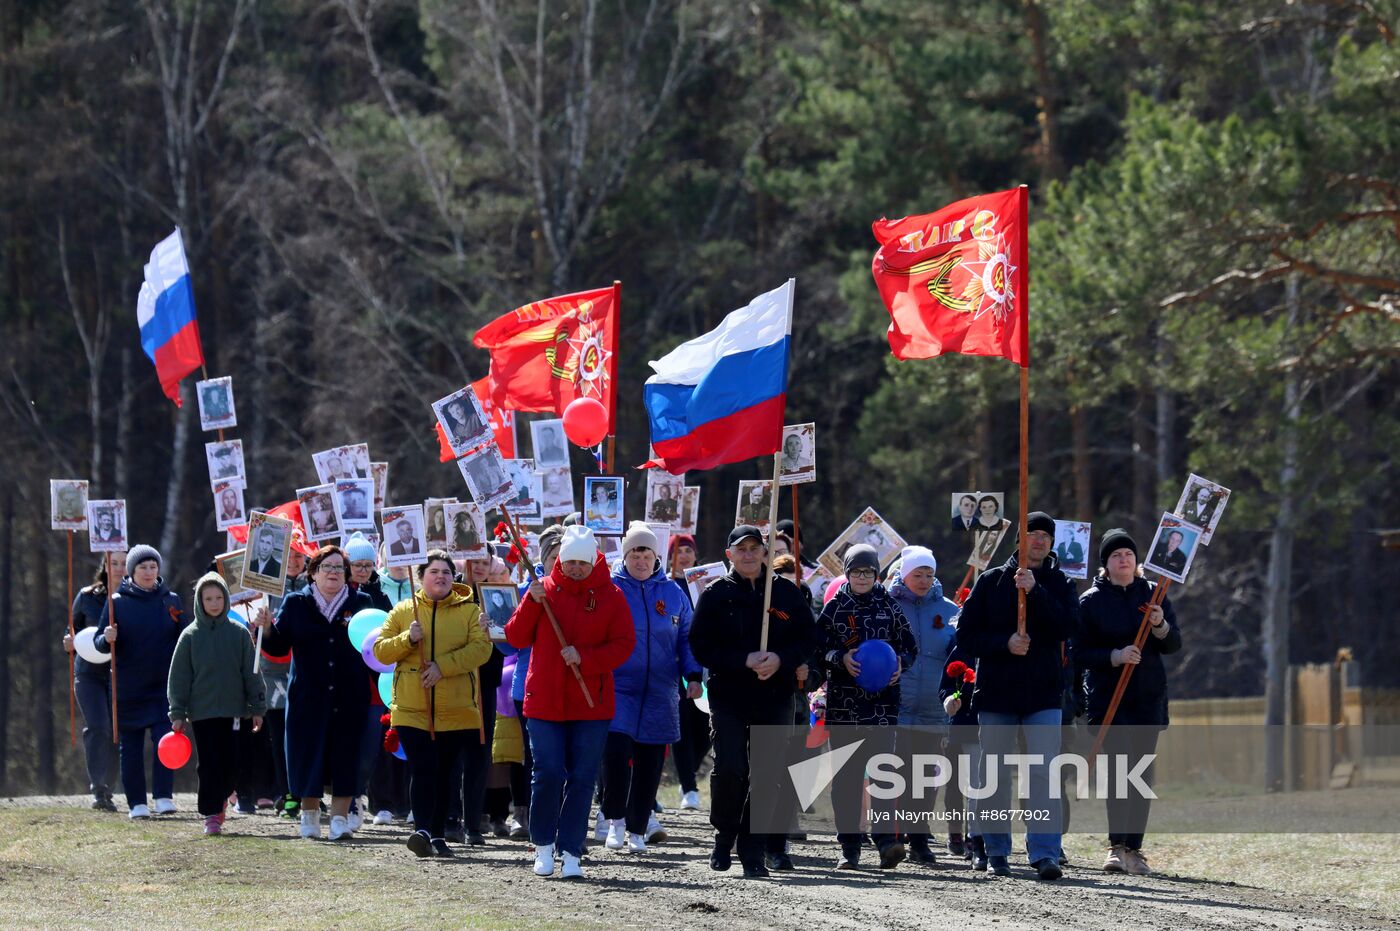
(69, 868)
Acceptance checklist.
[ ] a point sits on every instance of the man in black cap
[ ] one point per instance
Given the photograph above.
(747, 686)
(1019, 684)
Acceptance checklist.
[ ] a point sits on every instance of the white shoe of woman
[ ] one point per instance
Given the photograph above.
(572, 869)
(544, 860)
(311, 825)
(340, 828)
(617, 834)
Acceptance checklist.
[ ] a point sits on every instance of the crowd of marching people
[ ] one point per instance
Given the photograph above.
(564, 729)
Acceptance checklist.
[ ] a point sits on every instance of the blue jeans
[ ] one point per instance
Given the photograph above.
(567, 755)
(133, 752)
(997, 732)
(95, 700)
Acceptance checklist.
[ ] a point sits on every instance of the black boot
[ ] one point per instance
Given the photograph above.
(919, 850)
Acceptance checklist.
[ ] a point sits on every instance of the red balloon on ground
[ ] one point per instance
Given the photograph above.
(173, 750)
(585, 422)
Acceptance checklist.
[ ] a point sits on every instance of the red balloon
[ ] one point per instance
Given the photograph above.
(585, 422)
(173, 750)
(833, 587)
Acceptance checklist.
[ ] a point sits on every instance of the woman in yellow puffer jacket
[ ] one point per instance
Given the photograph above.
(437, 643)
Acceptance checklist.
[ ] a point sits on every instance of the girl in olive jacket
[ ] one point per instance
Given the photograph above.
(437, 643)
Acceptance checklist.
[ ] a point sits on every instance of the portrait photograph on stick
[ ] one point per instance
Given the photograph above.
(603, 504)
(379, 471)
(466, 530)
(318, 512)
(435, 522)
(549, 444)
(216, 404)
(68, 499)
(265, 562)
(106, 525)
(799, 462)
(230, 567)
(664, 493)
(985, 543)
(354, 502)
(229, 510)
(1202, 503)
(1173, 548)
(463, 421)
(524, 502)
(403, 534)
(1072, 547)
(699, 578)
(225, 460)
(690, 510)
(964, 511)
(487, 477)
(556, 491)
(753, 503)
(498, 603)
(869, 528)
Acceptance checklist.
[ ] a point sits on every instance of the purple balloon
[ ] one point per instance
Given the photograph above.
(367, 652)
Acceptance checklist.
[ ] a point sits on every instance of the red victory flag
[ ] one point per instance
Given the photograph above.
(548, 353)
(956, 280)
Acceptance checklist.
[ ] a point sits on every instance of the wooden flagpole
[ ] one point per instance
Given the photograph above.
(772, 529)
(112, 647)
(548, 611)
(1025, 492)
(1158, 594)
(72, 688)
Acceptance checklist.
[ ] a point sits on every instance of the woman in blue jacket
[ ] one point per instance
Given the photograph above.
(647, 716)
(931, 617)
(148, 621)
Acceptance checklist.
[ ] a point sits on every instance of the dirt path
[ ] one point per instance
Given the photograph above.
(672, 886)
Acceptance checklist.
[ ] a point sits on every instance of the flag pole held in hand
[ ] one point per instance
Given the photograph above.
(538, 573)
(1158, 594)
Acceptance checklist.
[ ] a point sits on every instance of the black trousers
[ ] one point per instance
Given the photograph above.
(1127, 817)
(217, 743)
(431, 762)
(275, 723)
(729, 780)
(848, 791)
(468, 801)
(631, 775)
(388, 781)
(689, 752)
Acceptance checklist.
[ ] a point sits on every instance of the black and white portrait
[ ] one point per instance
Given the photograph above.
(754, 504)
(664, 493)
(499, 603)
(379, 471)
(318, 512)
(550, 445)
(985, 543)
(463, 420)
(228, 505)
(225, 461)
(265, 562)
(556, 491)
(1202, 503)
(690, 510)
(799, 460)
(466, 530)
(106, 525)
(435, 522)
(403, 535)
(486, 477)
(964, 511)
(216, 404)
(354, 504)
(68, 504)
(868, 528)
(524, 503)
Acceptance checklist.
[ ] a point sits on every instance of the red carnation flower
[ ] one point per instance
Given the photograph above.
(391, 740)
(963, 593)
(957, 669)
(970, 676)
(384, 718)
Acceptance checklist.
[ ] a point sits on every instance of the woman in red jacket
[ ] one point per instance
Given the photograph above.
(566, 733)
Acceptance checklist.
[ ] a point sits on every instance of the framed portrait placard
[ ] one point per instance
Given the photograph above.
(498, 602)
(216, 410)
(487, 478)
(435, 522)
(1174, 547)
(225, 461)
(403, 534)
(230, 568)
(985, 543)
(556, 491)
(799, 461)
(265, 561)
(318, 512)
(229, 508)
(1202, 503)
(664, 493)
(379, 471)
(603, 505)
(342, 463)
(354, 503)
(690, 510)
(524, 502)
(463, 421)
(868, 528)
(550, 446)
(106, 525)
(974, 511)
(699, 578)
(753, 503)
(68, 499)
(1072, 547)
(466, 530)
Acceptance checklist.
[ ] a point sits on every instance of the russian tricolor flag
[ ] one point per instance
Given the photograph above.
(165, 313)
(721, 397)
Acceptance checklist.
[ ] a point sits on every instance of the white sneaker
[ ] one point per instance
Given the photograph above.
(409, 819)
(600, 827)
(383, 817)
(165, 806)
(690, 801)
(636, 843)
(655, 832)
(354, 821)
(311, 825)
(139, 812)
(572, 869)
(544, 860)
(340, 828)
(617, 834)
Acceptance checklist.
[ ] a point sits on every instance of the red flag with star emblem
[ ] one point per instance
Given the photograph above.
(546, 354)
(956, 280)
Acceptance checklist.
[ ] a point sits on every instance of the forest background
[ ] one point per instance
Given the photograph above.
(1215, 192)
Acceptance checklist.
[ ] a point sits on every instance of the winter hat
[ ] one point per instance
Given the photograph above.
(1039, 520)
(1117, 539)
(550, 538)
(578, 545)
(788, 527)
(681, 539)
(916, 557)
(639, 535)
(357, 548)
(139, 554)
(861, 556)
(209, 578)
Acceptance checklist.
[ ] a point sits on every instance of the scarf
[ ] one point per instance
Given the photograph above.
(329, 609)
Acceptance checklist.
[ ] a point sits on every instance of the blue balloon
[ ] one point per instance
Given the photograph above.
(386, 688)
(400, 754)
(362, 623)
(877, 664)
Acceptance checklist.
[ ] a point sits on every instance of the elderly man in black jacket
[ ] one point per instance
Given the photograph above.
(747, 686)
(1019, 685)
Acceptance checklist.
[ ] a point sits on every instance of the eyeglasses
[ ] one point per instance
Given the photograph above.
(363, 564)
(861, 574)
(336, 569)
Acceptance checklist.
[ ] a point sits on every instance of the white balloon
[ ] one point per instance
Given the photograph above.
(84, 641)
